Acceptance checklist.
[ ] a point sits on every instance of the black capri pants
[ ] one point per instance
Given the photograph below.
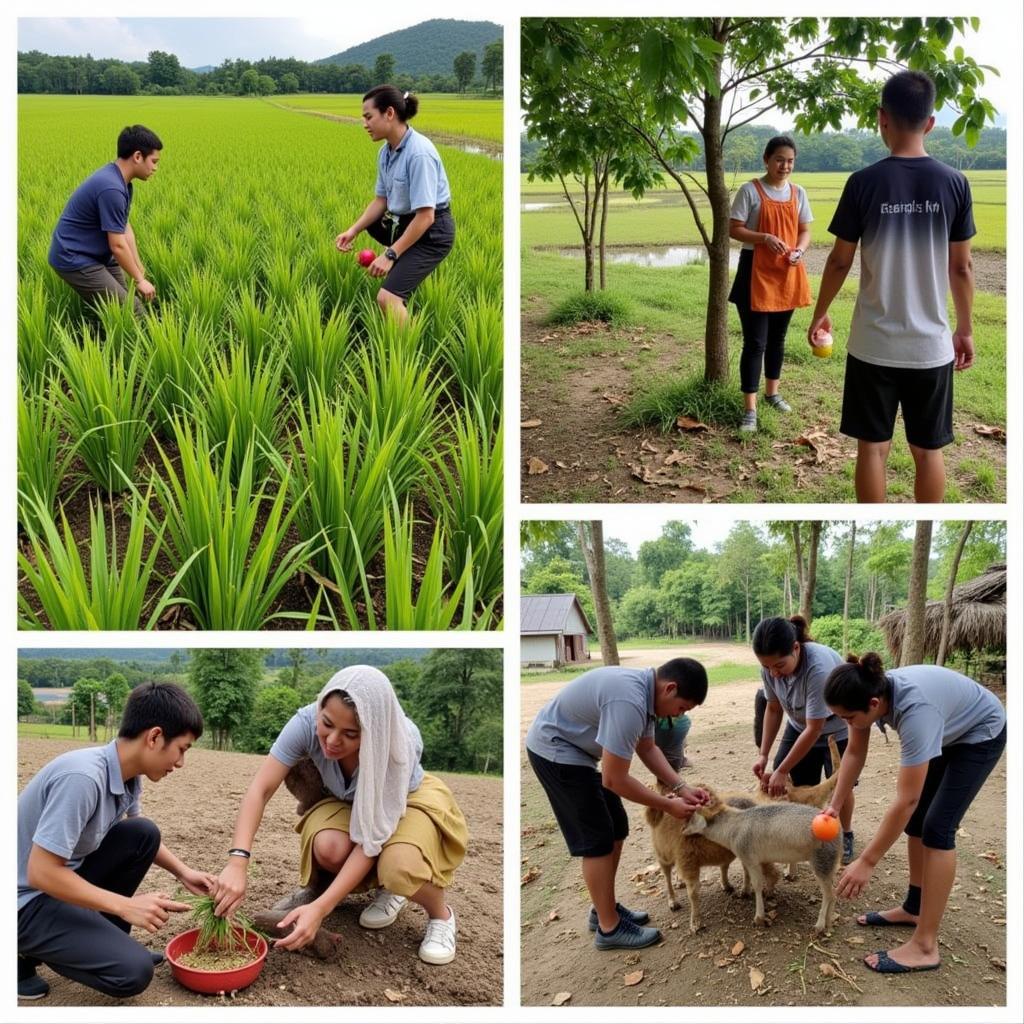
(420, 259)
(953, 781)
(592, 818)
(807, 771)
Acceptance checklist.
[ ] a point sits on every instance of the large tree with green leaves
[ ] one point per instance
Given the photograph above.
(493, 65)
(464, 67)
(224, 682)
(663, 78)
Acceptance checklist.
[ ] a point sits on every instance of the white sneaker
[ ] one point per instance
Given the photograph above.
(383, 911)
(438, 945)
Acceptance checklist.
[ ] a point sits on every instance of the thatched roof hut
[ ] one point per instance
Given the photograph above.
(977, 622)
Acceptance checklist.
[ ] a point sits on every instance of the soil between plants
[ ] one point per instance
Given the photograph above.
(701, 970)
(196, 812)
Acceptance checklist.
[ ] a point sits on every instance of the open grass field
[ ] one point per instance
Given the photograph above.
(262, 448)
(663, 217)
(469, 117)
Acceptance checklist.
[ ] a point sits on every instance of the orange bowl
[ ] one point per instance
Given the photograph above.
(214, 982)
(825, 827)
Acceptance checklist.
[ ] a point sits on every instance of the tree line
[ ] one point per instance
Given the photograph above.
(842, 577)
(454, 697)
(162, 74)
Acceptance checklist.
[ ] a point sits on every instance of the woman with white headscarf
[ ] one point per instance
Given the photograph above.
(384, 823)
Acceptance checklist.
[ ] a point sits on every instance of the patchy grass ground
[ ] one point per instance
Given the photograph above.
(710, 968)
(576, 383)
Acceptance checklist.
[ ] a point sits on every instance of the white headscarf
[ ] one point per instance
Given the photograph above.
(386, 755)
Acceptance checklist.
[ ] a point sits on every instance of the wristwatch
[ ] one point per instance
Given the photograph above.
(391, 254)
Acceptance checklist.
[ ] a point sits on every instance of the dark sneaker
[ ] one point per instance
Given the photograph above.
(636, 916)
(847, 847)
(627, 936)
(157, 958)
(32, 987)
(749, 422)
(778, 403)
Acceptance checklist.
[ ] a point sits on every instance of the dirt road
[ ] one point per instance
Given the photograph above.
(702, 969)
(195, 810)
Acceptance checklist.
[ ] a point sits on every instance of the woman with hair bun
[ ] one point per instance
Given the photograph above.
(794, 670)
(772, 218)
(952, 732)
(411, 210)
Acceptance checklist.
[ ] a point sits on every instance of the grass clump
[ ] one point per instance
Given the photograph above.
(711, 402)
(582, 307)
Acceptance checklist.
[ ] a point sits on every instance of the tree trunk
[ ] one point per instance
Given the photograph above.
(593, 554)
(716, 325)
(846, 595)
(92, 717)
(914, 634)
(798, 557)
(604, 223)
(810, 574)
(787, 595)
(947, 607)
(746, 592)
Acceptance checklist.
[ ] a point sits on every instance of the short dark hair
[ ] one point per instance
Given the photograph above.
(909, 99)
(777, 142)
(404, 103)
(137, 138)
(851, 686)
(776, 636)
(690, 678)
(164, 704)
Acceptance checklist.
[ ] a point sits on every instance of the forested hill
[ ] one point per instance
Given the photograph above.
(425, 49)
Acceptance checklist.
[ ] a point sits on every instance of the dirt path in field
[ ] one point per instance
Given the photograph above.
(701, 970)
(195, 811)
(468, 143)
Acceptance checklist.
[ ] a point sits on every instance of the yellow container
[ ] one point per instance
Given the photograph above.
(822, 351)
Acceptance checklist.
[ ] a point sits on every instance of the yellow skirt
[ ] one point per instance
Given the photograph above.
(432, 822)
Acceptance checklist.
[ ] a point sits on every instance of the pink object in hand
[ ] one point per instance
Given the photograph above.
(366, 257)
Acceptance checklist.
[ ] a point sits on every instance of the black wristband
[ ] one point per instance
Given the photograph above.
(238, 852)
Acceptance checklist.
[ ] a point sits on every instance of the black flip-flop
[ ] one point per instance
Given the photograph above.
(873, 919)
(886, 965)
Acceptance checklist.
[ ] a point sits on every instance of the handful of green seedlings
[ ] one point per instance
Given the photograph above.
(223, 943)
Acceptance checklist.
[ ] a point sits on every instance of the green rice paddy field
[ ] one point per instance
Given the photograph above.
(263, 447)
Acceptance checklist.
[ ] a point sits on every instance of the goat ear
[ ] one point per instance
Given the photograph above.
(696, 824)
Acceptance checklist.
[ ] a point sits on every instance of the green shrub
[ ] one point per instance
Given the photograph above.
(583, 307)
(710, 402)
(271, 709)
(864, 636)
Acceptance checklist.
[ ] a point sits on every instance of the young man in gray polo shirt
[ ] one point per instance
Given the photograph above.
(93, 246)
(607, 715)
(83, 849)
(912, 216)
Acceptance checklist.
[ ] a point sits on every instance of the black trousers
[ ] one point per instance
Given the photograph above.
(764, 334)
(84, 945)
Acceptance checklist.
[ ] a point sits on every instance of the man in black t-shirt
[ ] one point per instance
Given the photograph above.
(913, 218)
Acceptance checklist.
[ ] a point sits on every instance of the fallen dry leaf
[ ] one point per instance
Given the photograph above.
(553, 916)
(633, 978)
(999, 962)
(855, 940)
(724, 961)
(560, 464)
(530, 875)
(561, 999)
(673, 457)
(756, 979)
(689, 423)
(614, 399)
(646, 446)
(986, 431)
(536, 466)
(738, 948)
(530, 424)
(827, 969)
(392, 996)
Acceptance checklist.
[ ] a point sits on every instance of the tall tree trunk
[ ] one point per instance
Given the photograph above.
(591, 536)
(947, 607)
(92, 717)
(846, 595)
(746, 594)
(811, 576)
(604, 222)
(914, 634)
(798, 556)
(787, 595)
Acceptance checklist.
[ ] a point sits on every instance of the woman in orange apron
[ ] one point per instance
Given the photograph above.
(772, 218)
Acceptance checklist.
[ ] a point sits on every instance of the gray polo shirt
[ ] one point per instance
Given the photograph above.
(746, 204)
(609, 708)
(298, 740)
(70, 806)
(411, 176)
(802, 695)
(934, 707)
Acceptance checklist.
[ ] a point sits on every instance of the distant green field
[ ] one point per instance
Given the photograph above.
(471, 117)
(663, 217)
(725, 673)
(56, 732)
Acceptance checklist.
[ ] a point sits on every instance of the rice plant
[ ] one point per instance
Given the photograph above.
(251, 320)
(474, 353)
(43, 457)
(315, 347)
(36, 325)
(106, 407)
(109, 592)
(233, 539)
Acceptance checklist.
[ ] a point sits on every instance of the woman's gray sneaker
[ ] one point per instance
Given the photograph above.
(749, 422)
(627, 936)
(636, 916)
(778, 403)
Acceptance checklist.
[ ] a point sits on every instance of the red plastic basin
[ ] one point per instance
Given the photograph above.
(214, 982)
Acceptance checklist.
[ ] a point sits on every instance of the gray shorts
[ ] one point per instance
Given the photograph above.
(417, 262)
(100, 281)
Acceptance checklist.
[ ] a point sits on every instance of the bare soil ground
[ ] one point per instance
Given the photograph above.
(196, 810)
(574, 446)
(710, 968)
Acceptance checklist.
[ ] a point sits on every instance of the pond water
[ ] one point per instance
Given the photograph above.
(659, 256)
(530, 207)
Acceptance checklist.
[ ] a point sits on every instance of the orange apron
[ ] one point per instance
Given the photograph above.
(776, 285)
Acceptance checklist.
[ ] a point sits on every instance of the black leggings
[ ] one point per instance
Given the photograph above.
(764, 340)
(84, 945)
(953, 781)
